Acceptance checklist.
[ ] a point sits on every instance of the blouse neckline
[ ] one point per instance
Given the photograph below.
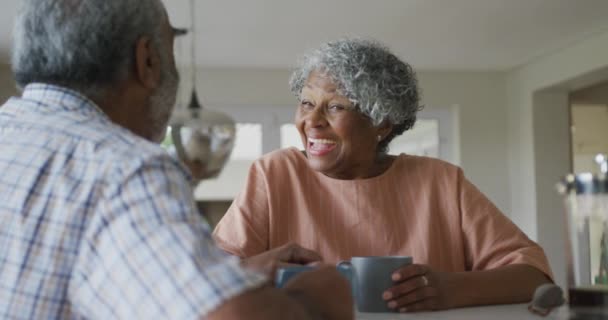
(301, 157)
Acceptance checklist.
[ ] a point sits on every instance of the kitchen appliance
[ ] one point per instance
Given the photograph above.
(585, 199)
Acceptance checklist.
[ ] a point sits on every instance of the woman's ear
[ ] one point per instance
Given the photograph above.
(383, 130)
(147, 63)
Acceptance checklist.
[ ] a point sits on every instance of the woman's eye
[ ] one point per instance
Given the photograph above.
(336, 107)
(306, 104)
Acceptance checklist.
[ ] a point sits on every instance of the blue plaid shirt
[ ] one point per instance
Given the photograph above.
(96, 222)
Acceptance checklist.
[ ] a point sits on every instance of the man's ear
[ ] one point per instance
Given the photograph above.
(147, 63)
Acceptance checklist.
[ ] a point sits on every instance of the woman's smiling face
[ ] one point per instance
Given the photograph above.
(340, 142)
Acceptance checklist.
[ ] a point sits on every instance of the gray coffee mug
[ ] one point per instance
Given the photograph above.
(283, 275)
(370, 277)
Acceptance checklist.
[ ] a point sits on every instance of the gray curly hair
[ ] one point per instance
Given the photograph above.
(82, 44)
(379, 84)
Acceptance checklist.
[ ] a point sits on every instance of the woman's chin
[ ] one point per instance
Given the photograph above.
(319, 165)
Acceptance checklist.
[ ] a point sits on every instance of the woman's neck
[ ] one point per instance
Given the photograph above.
(381, 163)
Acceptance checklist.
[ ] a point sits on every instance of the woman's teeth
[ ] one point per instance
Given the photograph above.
(321, 141)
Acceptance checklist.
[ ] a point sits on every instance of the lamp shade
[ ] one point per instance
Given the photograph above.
(203, 139)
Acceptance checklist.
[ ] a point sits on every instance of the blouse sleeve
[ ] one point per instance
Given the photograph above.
(243, 231)
(491, 239)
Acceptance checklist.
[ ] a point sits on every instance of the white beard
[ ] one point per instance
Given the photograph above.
(162, 102)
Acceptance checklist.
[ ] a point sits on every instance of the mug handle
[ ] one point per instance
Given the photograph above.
(344, 265)
(346, 268)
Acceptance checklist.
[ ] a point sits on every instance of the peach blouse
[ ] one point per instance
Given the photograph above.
(421, 207)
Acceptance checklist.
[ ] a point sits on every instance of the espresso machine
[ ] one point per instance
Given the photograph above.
(585, 197)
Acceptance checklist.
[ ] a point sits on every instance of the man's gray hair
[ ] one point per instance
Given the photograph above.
(379, 84)
(85, 45)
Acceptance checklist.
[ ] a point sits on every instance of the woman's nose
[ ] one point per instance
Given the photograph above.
(316, 118)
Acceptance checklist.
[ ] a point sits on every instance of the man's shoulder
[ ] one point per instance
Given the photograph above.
(120, 142)
(124, 150)
(89, 136)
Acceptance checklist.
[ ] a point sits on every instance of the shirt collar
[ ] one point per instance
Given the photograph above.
(61, 98)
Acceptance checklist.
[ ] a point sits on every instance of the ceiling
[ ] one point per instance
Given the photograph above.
(430, 34)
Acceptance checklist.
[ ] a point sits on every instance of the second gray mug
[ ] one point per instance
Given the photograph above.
(370, 277)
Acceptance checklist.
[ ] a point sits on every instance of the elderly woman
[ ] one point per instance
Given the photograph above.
(345, 196)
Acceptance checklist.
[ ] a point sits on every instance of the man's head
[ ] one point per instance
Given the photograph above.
(101, 48)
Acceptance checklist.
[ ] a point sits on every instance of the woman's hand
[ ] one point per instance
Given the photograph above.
(417, 288)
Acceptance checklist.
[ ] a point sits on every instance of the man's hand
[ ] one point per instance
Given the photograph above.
(325, 293)
(320, 294)
(286, 255)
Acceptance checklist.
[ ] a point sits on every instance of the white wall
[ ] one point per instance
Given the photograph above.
(551, 162)
(534, 206)
(479, 95)
(483, 132)
(7, 84)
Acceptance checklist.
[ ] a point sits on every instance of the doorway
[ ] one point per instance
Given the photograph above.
(589, 127)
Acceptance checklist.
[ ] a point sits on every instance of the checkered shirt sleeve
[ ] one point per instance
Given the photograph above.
(147, 255)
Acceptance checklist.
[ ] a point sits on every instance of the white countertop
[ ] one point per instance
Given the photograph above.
(501, 312)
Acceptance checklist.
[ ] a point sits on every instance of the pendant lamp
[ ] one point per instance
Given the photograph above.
(203, 138)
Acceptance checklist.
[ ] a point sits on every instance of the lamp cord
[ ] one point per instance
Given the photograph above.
(192, 43)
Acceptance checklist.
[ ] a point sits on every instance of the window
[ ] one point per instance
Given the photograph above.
(263, 129)
(421, 140)
(247, 148)
(290, 137)
(248, 143)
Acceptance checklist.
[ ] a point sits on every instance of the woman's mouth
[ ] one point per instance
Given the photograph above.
(320, 147)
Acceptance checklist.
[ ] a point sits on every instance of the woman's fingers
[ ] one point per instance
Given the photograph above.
(423, 296)
(406, 287)
(421, 305)
(409, 271)
(417, 288)
(408, 278)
